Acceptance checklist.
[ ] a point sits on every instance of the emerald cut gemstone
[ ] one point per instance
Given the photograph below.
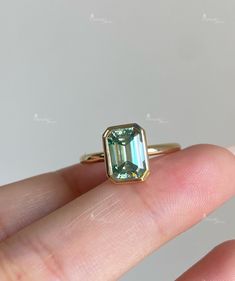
(126, 153)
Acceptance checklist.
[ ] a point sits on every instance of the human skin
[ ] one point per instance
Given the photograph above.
(74, 224)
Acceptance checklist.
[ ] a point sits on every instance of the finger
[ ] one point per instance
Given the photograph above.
(25, 201)
(218, 265)
(105, 232)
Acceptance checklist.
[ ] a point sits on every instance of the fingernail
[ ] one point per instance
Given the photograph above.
(232, 149)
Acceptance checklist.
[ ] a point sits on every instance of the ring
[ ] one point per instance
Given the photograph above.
(126, 153)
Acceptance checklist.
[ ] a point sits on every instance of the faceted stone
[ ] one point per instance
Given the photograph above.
(126, 153)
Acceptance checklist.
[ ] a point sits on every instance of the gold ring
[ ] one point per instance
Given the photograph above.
(126, 153)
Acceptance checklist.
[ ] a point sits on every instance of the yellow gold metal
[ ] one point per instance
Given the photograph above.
(153, 150)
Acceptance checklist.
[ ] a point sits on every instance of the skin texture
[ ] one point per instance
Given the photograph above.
(73, 224)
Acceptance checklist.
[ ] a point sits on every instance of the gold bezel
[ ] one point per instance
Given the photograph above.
(107, 157)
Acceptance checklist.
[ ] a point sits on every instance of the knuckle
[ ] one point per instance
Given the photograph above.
(29, 258)
(43, 257)
(9, 270)
(4, 232)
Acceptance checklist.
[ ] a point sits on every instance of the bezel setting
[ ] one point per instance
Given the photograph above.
(136, 150)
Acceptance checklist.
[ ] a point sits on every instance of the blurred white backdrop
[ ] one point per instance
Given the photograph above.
(69, 69)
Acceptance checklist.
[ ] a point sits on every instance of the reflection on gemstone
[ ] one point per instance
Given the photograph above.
(127, 158)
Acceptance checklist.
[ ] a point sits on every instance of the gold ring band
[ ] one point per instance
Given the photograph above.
(153, 150)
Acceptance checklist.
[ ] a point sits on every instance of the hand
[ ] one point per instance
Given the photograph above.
(73, 224)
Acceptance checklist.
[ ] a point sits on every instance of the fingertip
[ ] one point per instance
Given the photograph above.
(218, 264)
(187, 185)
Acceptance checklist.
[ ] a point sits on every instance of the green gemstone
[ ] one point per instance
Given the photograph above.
(126, 153)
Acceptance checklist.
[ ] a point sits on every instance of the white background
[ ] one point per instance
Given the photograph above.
(69, 69)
